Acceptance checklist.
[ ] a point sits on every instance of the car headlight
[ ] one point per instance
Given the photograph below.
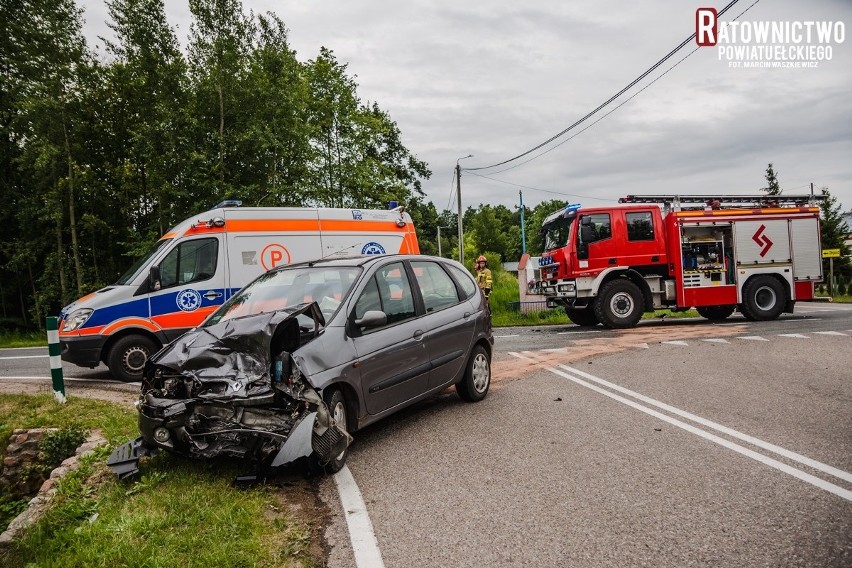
(76, 319)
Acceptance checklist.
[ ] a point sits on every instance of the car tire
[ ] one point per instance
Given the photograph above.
(763, 299)
(127, 357)
(715, 313)
(337, 407)
(619, 304)
(584, 318)
(477, 377)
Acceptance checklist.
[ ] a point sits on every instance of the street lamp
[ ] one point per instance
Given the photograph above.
(458, 190)
(439, 239)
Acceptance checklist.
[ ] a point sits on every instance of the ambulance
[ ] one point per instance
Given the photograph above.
(201, 263)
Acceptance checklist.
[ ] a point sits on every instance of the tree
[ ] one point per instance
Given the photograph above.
(833, 231)
(772, 187)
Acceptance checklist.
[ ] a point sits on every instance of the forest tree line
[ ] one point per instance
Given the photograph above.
(104, 151)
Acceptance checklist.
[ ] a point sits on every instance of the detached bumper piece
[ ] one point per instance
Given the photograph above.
(124, 460)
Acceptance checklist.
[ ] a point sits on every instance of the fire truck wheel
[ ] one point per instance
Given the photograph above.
(763, 299)
(584, 318)
(127, 357)
(619, 304)
(715, 313)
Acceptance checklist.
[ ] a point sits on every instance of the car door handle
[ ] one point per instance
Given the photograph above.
(467, 315)
(212, 294)
(418, 335)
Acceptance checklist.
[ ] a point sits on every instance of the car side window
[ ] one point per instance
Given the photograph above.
(463, 277)
(389, 291)
(436, 286)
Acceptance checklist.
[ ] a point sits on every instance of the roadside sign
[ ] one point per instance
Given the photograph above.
(831, 253)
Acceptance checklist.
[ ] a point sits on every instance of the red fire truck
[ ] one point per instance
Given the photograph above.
(608, 265)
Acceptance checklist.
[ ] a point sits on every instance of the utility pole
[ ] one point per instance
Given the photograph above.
(458, 190)
(523, 231)
(439, 239)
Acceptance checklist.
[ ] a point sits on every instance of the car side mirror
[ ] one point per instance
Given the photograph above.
(154, 278)
(372, 318)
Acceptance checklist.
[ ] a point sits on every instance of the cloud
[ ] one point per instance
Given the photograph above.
(495, 79)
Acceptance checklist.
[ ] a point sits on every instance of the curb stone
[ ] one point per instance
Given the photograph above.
(41, 502)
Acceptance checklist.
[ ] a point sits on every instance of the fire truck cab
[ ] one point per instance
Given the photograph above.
(608, 265)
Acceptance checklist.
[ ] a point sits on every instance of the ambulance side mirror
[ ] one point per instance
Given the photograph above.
(154, 278)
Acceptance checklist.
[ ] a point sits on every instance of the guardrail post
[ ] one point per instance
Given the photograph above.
(55, 360)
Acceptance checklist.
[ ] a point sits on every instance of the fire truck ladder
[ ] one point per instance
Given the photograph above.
(677, 202)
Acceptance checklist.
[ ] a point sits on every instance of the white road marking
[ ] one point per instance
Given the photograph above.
(557, 350)
(364, 543)
(25, 357)
(642, 346)
(794, 335)
(753, 338)
(839, 473)
(716, 340)
(512, 335)
(832, 333)
(684, 343)
(573, 332)
(14, 348)
(806, 477)
(66, 379)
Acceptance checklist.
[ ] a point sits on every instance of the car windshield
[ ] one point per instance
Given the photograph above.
(133, 271)
(327, 286)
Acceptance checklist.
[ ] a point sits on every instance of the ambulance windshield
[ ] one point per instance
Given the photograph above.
(140, 264)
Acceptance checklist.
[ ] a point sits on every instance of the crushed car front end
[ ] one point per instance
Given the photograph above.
(236, 389)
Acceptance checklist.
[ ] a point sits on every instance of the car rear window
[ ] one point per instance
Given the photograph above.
(465, 280)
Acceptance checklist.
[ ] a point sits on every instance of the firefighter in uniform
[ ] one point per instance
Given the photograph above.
(483, 276)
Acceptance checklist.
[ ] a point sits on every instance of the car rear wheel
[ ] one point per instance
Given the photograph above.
(127, 357)
(477, 377)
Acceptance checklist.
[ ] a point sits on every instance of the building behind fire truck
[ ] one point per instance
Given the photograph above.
(608, 265)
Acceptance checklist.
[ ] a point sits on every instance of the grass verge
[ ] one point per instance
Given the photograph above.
(178, 513)
(23, 339)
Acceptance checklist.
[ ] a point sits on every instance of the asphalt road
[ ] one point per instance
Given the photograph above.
(572, 460)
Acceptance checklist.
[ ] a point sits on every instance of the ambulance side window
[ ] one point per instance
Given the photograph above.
(190, 261)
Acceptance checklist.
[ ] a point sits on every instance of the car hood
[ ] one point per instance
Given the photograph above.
(235, 355)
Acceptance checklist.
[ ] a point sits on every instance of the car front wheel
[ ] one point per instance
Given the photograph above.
(337, 408)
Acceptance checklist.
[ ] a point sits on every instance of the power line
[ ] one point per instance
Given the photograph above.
(612, 98)
(539, 189)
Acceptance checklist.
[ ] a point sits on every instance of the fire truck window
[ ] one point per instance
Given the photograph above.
(640, 226)
(594, 228)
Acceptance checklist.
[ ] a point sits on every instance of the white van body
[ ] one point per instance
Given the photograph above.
(204, 260)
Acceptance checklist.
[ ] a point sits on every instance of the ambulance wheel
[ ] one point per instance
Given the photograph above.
(128, 355)
(619, 304)
(584, 318)
(763, 299)
(715, 313)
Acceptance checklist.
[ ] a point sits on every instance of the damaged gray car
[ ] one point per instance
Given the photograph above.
(306, 354)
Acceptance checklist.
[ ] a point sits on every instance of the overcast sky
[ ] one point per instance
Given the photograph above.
(495, 79)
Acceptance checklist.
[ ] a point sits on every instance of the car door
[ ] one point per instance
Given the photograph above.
(192, 285)
(449, 321)
(393, 359)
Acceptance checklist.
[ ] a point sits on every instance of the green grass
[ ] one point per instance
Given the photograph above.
(178, 513)
(23, 339)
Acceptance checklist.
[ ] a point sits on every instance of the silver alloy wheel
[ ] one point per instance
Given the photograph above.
(134, 359)
(481, 373)
(621, 304)
(765, 298)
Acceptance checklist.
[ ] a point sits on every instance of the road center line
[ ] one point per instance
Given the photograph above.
(364, 543)
(797, 473)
